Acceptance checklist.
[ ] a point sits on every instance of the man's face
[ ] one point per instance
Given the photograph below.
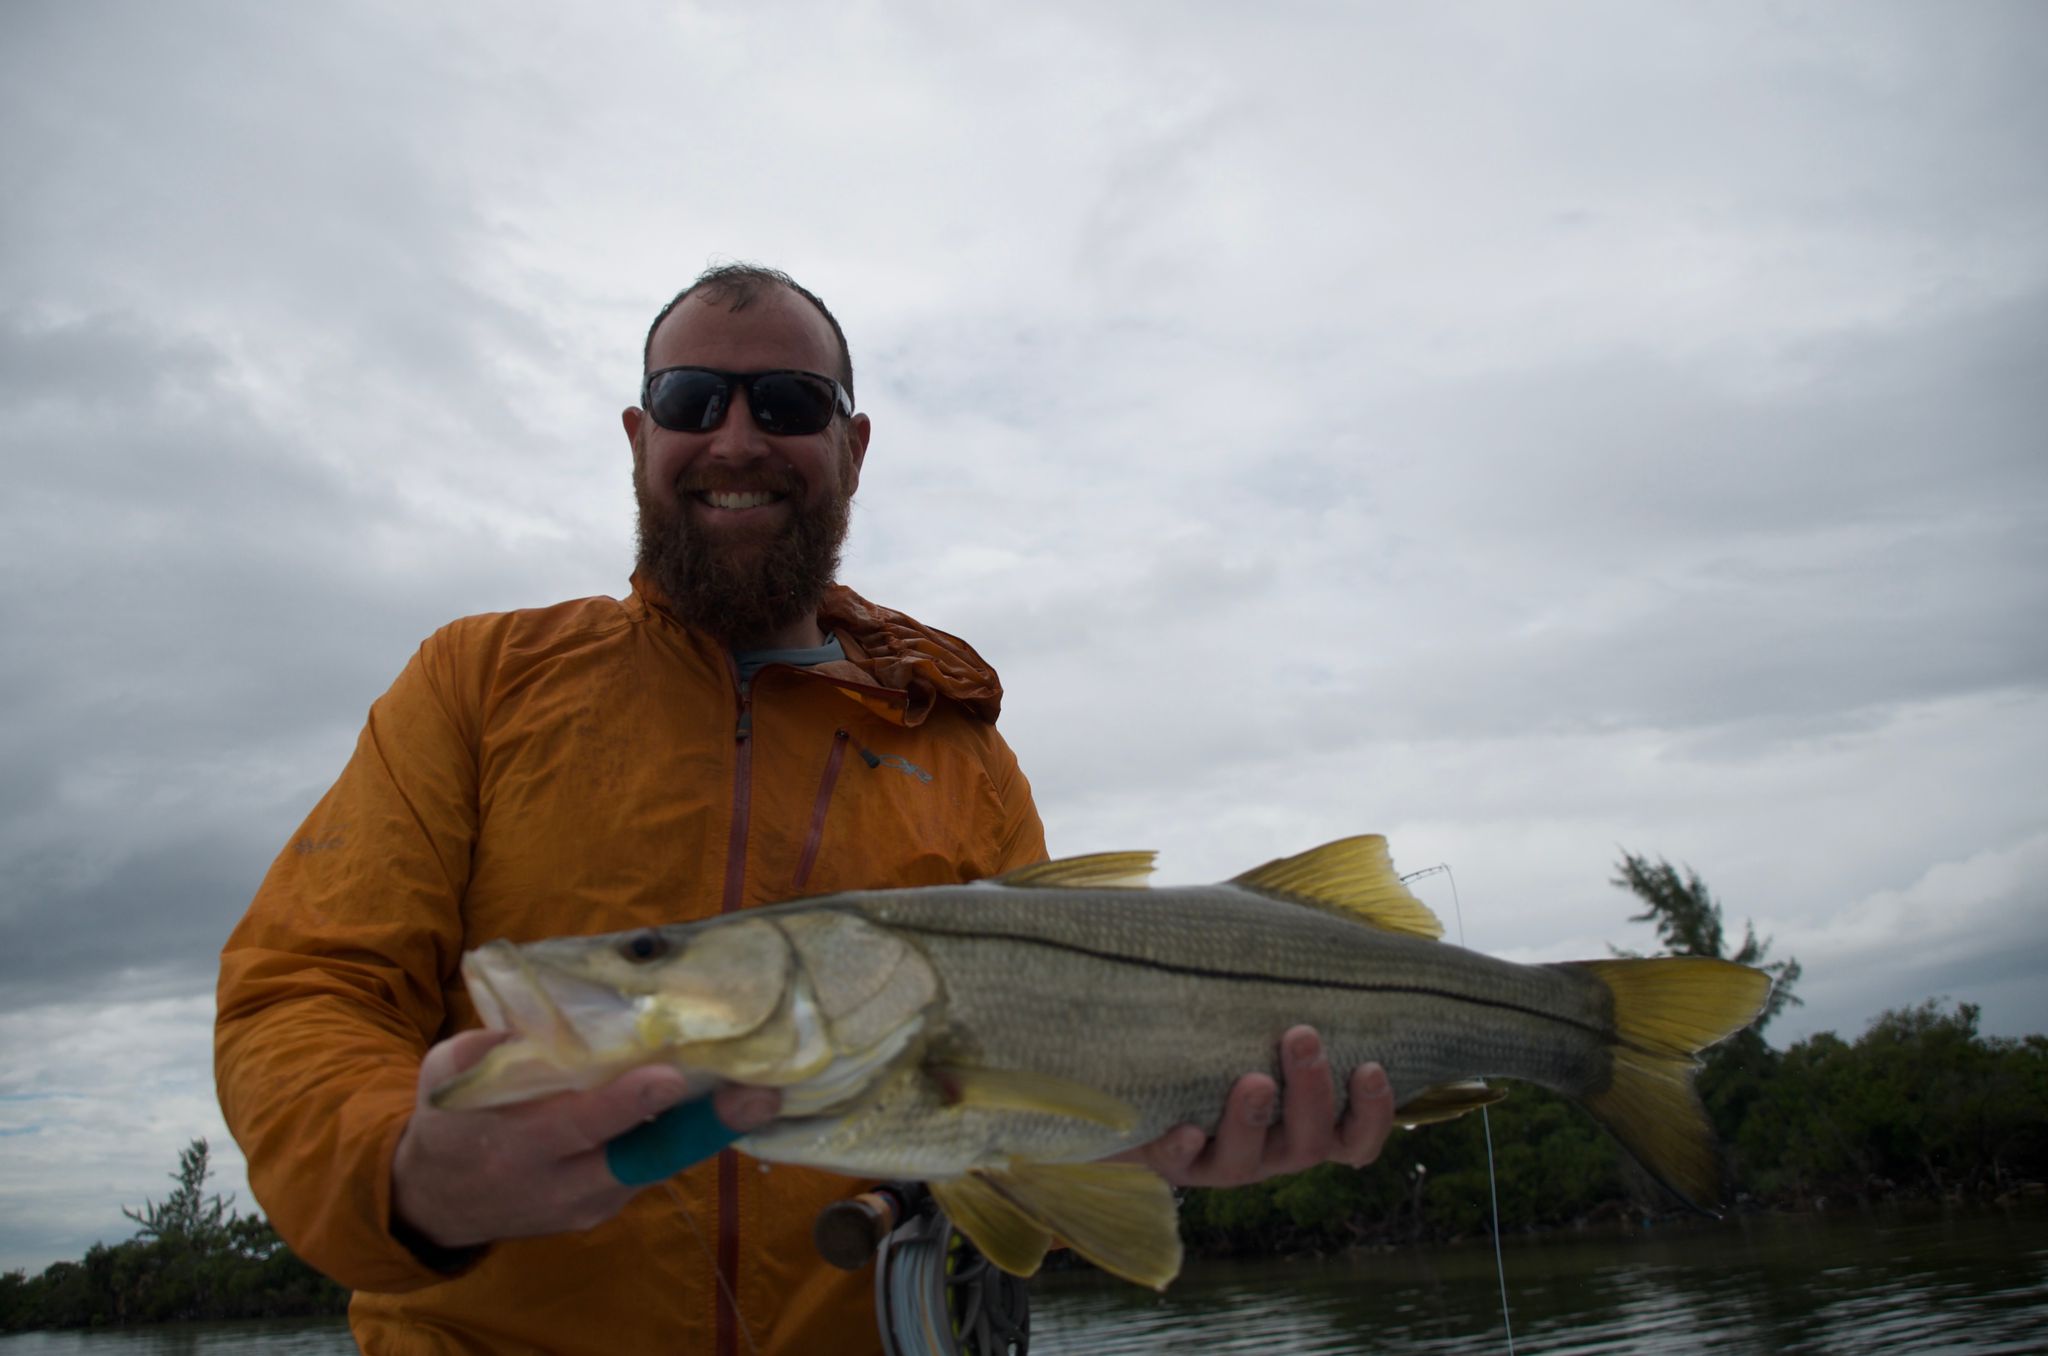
(741, 528)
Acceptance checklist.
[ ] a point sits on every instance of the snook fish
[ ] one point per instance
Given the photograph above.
(994, 1039)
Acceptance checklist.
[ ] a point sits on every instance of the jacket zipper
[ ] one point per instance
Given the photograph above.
(816, 836)
(728, 1261)
(727, 1297)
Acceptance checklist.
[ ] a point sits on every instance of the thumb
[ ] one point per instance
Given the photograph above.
(461, 1051)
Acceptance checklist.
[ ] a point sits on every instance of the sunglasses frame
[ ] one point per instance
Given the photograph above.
(842, 403)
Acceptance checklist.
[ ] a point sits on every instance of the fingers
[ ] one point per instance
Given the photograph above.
(1308, 1124)
(745, 1109)
(466, 1177)
(1170, 1155)
(660, 1148)
(689, 1133)
(1237, 1155)
(1249, 1147)
(1238, 1152)
(1173, 1154)
(578, 1122)
(1370, 1118)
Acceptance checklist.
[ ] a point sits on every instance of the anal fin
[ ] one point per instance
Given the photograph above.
(1006, 1235)
(1117, 1215)
(1446, 1102)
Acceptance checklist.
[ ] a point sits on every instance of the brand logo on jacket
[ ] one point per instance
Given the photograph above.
(902, 764)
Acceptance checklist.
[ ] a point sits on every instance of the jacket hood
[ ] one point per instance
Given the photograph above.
(887, 649)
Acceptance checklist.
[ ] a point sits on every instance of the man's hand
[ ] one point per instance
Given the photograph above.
(1249, 1147)
(461, 1178)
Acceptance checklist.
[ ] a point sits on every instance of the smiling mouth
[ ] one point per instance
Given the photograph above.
(737, 499)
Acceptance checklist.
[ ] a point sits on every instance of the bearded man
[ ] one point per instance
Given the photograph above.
(734, 732)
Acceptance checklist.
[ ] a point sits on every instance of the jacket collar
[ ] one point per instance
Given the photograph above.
(886, 649)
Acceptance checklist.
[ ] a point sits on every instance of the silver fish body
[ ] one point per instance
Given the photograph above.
(1162, 999)
(995, 1039)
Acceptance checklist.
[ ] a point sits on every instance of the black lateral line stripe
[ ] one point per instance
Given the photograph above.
(1253, 977)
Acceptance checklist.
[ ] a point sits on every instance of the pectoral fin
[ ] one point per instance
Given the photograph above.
(1118, 1215)
(1446, 1102)
(1023, 1090)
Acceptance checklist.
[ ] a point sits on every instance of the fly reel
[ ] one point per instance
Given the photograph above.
(935, 1294)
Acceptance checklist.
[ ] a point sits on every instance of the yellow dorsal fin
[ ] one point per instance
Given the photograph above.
(1023, 1090)
(1117, 1215)
(1352, 876)
(1096, 871)
(1005, 1234)
(1446, 1102)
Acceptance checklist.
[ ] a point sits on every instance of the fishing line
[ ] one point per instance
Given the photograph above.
(717, 1272)
(936, 1295)
(1500, 1264)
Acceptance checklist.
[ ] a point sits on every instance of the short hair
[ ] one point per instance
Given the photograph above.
(739, 285)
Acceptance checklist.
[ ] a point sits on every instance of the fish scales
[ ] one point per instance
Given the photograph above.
(994, 1039)
(1163, 998)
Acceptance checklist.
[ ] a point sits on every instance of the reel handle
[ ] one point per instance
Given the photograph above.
(848, 1233)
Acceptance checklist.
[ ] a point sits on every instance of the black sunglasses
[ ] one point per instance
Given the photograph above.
(695, 399)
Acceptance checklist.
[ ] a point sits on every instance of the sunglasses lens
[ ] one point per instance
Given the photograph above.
(688, 400)
(694, 400)
(791, 402)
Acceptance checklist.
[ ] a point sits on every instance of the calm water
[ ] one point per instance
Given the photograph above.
(1891, 1280)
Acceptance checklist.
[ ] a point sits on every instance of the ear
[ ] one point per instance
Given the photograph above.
(857, 430)
(633, 417)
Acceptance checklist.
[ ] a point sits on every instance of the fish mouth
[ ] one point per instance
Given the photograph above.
(545, 1005)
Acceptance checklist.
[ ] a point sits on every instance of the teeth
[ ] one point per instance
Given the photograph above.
(738, 499)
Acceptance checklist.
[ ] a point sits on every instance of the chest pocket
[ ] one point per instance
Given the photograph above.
(884, 806)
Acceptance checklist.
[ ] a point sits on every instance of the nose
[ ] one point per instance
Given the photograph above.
(737, 437)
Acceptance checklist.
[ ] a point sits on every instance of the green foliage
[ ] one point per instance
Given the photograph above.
(1688, 922)
(1552, 1164)
(1920, 1101)
(194, 1257)
(187, 1214)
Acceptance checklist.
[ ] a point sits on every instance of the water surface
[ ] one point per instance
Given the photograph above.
(1888, 1280)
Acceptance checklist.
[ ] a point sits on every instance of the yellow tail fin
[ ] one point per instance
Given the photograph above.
(1666, 1010)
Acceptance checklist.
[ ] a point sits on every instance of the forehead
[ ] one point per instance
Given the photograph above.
(777, 329)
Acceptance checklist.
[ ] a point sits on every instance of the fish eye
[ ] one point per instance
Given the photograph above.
(644, 946)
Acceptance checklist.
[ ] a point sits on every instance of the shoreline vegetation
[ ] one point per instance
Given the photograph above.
(194, 1257)
(1921, 1106)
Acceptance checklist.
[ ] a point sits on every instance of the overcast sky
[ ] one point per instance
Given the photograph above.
(1533, 432)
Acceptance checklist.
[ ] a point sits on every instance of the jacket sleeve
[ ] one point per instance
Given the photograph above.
(1020, 836)
(331, 986)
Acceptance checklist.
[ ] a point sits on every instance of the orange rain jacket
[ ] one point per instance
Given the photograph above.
(577, 769)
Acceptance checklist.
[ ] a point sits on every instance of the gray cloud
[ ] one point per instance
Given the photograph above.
(210, 605)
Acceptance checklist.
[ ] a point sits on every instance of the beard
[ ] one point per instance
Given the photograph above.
(743, 589)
